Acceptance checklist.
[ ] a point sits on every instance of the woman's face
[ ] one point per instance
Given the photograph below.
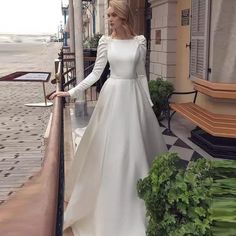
(114, 20)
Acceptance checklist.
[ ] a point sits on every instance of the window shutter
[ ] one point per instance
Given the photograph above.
(199, 38)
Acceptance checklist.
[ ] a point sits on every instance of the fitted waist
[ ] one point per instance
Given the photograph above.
(123, 77)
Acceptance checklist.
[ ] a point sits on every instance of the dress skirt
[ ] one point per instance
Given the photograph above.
(117, 148)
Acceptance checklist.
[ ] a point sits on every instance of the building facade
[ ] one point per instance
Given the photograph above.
(187, 39)
(195, 39)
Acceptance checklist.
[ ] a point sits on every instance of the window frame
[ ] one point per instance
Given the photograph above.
(205, 35)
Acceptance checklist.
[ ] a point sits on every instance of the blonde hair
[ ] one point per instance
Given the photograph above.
(123, 11)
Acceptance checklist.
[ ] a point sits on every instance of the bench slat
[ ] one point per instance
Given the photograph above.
(219, 125)
(215, 86)
(197, 116)
(215, 120)
(187, 107)
(226, 118)
(215, 93)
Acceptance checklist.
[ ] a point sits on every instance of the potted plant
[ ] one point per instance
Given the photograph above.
(92, 42)
(159, 92)
(177, 199)
(90, 49)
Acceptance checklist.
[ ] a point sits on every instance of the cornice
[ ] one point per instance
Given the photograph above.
(155, 3)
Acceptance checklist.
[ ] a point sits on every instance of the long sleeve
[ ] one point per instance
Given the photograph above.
(99, 66)
(141, 70)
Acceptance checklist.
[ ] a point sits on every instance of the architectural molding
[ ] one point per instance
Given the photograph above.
(155, 3)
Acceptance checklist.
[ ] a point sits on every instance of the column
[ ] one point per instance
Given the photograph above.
(80, 104)
(71, 26)
(163, 39)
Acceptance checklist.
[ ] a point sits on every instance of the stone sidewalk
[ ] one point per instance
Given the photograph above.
(22, 129)
(21, 135)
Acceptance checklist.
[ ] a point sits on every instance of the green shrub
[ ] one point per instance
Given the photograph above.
(177, 200)
(92, 42)
(223, 206)
(159, 91)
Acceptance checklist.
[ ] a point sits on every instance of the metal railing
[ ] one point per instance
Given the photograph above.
(57, 132)
(69, 74)
(37, 209)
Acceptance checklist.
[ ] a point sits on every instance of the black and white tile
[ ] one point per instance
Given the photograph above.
(177, 145)
(173, 142)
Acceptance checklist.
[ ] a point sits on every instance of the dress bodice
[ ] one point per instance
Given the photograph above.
(123, 64)
(127, 61)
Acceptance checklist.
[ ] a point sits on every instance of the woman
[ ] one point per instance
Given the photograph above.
(120, 141)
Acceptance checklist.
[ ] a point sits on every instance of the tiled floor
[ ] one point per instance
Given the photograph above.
(176, 140)
(181, 130)
(21, 135)
(177, 145)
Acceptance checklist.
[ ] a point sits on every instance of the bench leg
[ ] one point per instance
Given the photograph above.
(169, 119)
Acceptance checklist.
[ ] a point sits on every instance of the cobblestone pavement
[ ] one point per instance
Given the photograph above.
(22, 129)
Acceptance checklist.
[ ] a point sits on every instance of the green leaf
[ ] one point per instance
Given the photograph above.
(200, 211)
(178, 200)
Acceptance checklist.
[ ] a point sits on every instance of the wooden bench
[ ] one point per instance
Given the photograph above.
(219, 125)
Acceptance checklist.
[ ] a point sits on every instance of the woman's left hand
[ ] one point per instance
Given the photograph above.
(59, 94)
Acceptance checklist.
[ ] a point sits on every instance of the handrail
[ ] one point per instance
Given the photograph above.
(37, 209)
(69, 53)
(69, 81)
(68, 71)
(60, 132)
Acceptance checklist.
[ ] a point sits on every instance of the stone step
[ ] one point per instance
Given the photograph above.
(12, 185)
(20, 165)
(13, 152)
(17, 158)
(3, 198)
(25, 172)
(30, 158)
(14, 180)
(17, 154)
(4, 189)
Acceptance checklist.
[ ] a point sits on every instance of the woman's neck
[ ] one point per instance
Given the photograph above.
(121, 34)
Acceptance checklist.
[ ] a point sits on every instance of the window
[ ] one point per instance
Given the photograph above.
(200, 12)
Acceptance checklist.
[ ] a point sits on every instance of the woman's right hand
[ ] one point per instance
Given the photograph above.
(59, 94)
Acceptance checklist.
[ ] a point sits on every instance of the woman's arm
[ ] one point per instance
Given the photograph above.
(94, 76)
(141, 70)
(99, 66)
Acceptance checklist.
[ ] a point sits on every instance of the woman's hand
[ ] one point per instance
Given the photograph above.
(59, 94)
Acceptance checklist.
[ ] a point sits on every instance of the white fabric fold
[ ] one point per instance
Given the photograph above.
(101, 62)
(117, 148)
(141, 70)
(99, 66)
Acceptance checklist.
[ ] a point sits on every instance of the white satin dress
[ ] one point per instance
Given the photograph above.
(117, 148)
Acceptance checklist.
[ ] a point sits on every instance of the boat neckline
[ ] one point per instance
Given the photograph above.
(123, 39)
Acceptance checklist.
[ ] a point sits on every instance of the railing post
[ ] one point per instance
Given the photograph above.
(56, 63)
(60, 197)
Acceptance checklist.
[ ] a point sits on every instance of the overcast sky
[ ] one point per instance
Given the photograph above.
(30, 16)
